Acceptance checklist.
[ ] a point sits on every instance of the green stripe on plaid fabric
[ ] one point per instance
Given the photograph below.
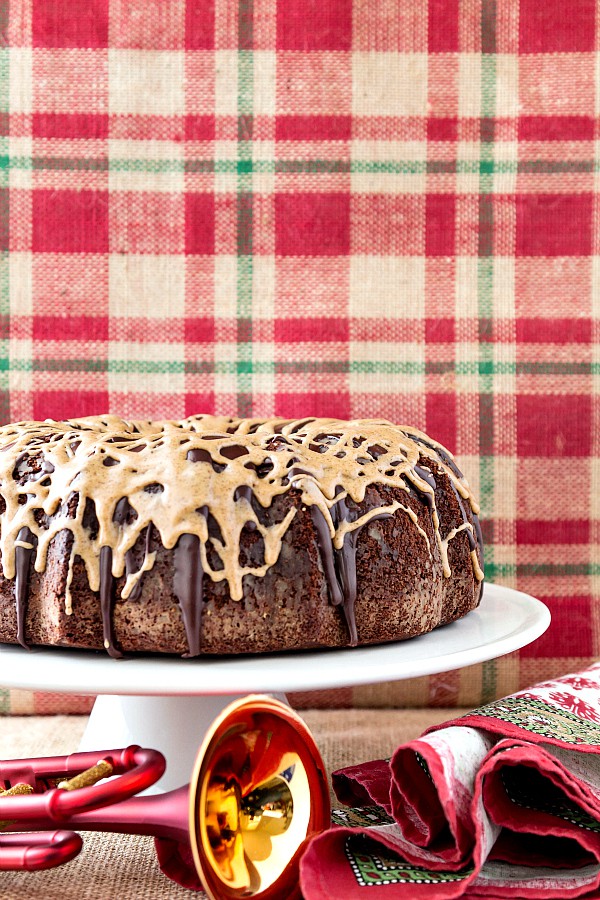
(245, 212)
(484, 368)
(5, 702)
(5, 6)
(485, 292)
(542, 570)
(301, 166)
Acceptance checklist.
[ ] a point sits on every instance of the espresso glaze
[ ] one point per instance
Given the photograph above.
(168, 478)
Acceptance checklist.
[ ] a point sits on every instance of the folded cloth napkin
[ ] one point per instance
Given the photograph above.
(502, 802)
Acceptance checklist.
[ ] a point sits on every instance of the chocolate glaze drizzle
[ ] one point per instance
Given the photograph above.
(171, 479)
(339, 564)
(187, 584)
(24, 549)
(107, 601)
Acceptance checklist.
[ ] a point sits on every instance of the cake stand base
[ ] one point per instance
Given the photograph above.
(174, 725)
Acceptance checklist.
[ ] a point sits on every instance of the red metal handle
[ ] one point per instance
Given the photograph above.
(136, 769)
(33, 852)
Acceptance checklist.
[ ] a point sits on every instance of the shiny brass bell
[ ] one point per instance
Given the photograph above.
(259, 793)
(269, 808)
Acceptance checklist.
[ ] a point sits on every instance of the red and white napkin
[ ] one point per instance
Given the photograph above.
(502, 802)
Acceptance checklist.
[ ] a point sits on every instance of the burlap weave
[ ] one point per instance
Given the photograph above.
(375, 208)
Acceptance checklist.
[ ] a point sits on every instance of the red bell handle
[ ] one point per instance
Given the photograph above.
(136, 769)
(33, 852)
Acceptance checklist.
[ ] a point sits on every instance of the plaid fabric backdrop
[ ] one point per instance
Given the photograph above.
(356, 208)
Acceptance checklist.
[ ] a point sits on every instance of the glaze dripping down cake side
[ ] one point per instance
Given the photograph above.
(217, 535)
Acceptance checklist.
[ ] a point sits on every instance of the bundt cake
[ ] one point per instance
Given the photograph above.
(217, 535)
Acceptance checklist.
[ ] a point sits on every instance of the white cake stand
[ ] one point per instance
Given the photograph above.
(169, 703)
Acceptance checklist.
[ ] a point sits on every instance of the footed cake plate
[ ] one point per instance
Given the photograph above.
(168, 703)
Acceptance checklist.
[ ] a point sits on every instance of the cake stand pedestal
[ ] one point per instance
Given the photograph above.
(169, 703)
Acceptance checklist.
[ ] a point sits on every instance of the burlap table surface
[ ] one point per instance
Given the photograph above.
(121, 866)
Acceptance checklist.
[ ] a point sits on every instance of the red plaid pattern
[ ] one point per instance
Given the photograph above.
(376, 208)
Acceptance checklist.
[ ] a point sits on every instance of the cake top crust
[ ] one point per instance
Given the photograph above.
(176, 474)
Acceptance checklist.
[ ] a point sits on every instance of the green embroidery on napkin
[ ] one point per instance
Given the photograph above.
(539, 717)
(373, 864)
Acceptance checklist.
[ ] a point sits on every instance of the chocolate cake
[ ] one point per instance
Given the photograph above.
(219, 535)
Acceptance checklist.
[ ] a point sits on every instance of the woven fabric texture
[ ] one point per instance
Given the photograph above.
(356, 208)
